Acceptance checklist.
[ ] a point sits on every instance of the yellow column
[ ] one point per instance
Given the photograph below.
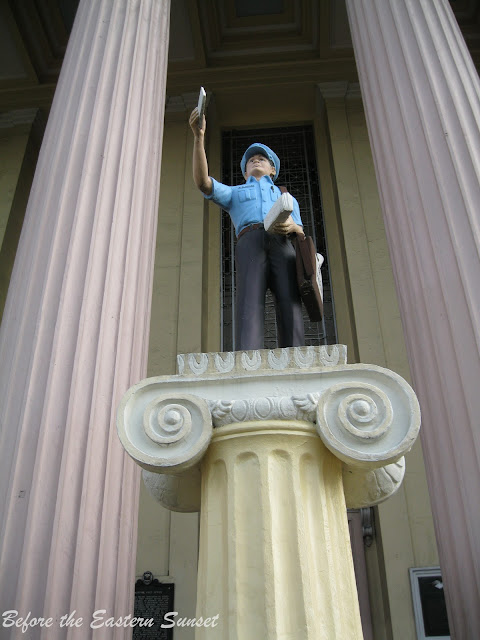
(275, 557)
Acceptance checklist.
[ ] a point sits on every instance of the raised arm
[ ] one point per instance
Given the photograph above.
(200, 164)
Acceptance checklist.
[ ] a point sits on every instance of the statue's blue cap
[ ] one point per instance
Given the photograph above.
(255, 148)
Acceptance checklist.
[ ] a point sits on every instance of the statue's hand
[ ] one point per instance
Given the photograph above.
(288, 227)
(195, 125)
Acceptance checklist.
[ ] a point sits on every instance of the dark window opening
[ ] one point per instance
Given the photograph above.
(434, 609)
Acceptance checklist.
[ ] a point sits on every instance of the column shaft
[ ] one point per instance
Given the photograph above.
(422, 99)
(275, 558)
(75, 330)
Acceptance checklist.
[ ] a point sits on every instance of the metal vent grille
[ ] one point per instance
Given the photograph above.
(298, 172)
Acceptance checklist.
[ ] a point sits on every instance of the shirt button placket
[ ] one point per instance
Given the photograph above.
(264, 200)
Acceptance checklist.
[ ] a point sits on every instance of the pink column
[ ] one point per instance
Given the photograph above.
(75, 331)
(422, 99)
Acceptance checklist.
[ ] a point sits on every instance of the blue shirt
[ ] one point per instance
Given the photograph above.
(249, 203)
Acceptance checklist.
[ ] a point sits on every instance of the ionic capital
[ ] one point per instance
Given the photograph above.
(367, 416)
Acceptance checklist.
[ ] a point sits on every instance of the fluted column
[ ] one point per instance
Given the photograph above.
(272, 523)
(422, 100)
(75, 329)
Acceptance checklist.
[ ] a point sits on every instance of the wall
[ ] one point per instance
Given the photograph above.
(12, 144)
(18, 154)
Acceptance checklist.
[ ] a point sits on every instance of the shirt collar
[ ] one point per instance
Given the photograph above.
(267, 178)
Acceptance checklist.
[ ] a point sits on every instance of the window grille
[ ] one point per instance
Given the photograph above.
(295, 147)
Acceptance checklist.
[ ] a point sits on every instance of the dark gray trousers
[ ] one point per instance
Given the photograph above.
(266, 261)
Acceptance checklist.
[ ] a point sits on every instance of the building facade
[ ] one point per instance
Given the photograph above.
(114, 264)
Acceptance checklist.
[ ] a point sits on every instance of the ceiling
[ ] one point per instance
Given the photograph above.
(209, 39)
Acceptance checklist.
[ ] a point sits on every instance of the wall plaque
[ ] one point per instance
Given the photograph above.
(153, 599)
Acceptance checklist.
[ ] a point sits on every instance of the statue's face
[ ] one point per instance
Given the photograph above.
(258, 166)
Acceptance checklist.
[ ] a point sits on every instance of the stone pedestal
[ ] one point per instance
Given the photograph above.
(283, 441)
